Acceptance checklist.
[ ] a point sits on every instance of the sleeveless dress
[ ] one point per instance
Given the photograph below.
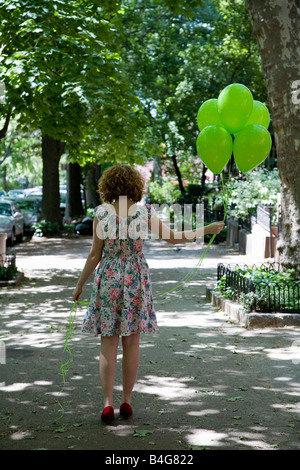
(121, 300)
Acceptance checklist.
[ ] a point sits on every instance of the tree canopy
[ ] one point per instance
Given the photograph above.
(178, 62)
(121, 81)
(89, 73)
(60, 66)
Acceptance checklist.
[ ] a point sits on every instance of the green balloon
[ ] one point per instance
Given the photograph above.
(208, 114)
(214, 147)
(251, 147)
(235, 104)
(260, 115)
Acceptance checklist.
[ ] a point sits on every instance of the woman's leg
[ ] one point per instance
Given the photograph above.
(107, 366)
(131, 355)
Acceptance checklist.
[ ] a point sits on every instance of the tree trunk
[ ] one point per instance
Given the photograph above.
(4, 129)
(51, 152)
(203, 176)
(4, 182)
(276, 28)
(74, 203)
(178, 174)
(91, 185)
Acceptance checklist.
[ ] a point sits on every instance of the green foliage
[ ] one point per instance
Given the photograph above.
(221, 286)
(167, 192)
(156, 48)
(182, 7)
(267, 275)
(115, 81)
(90, 212)
(190, 168)
(235, 56)
(122, 81)
(268, 283)
(47, 45)
(63, 72)
(69, 228)
(63, 64)
(7, 273)
(252, 301)
(177, 62)
(20, 155)
(261, 274)
(44, 228)
(260, 186)
(267, 298)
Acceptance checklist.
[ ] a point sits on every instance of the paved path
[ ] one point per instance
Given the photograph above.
(204, 382)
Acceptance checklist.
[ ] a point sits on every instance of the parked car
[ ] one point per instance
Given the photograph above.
(16, 193)
(31, 208)
(36, 191)
(11, 221)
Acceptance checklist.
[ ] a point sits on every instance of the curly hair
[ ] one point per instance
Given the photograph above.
(121, 180)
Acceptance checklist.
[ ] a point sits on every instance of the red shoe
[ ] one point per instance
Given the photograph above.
(125, 410)
(108, 415)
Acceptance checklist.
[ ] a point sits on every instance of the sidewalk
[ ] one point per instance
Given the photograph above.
(204, 381)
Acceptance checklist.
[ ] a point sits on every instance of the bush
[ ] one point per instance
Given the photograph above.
(6, 274)
(90, 212)
(272, 289)
(260, 187)
(45, 228)
(167, 192)
(252, 301)
(69, 228)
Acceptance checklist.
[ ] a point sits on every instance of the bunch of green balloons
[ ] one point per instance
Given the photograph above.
(233, 123)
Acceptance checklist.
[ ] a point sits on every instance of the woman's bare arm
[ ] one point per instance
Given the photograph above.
(165, 233)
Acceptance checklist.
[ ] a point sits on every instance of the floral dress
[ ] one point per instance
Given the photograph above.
(121, 301)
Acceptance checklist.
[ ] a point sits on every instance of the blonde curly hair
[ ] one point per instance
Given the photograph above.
(121, 180)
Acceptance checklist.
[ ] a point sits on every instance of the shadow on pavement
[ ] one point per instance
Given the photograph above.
(203, 383)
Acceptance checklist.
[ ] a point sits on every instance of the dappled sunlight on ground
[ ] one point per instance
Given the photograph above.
(166, 388)
(203, 382)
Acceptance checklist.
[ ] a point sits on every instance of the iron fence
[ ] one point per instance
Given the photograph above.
(268, 295)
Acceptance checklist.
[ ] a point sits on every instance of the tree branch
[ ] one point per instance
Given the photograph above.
(3, 131)
(178, 174)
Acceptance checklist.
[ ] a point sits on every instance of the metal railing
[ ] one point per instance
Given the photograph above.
(261, 296)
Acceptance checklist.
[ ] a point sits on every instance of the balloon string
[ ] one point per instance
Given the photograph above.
(191, 274)
(188, 277)
(64, 368)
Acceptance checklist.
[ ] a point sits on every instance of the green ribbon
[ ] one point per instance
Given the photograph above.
(188, 277)
(64, 368)
(226, 191)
